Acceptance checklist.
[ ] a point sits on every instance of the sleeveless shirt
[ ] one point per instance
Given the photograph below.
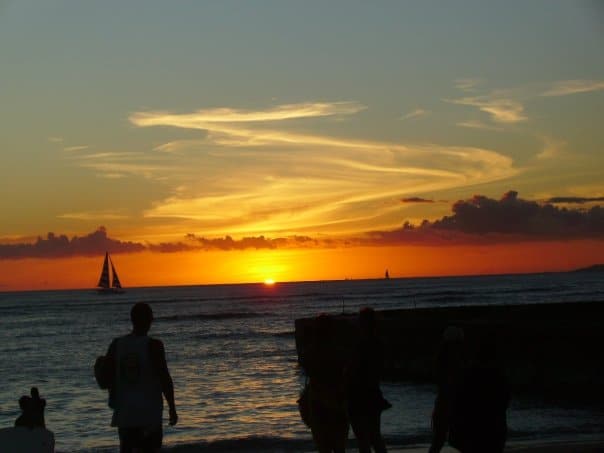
(138, 394)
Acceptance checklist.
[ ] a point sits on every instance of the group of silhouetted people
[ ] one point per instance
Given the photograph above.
(343, 390)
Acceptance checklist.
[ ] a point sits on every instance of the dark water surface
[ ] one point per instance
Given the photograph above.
(231, 351)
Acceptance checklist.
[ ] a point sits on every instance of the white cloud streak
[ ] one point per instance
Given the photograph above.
(92, 216)
(472, 124)
(468, 84)
(501, 109)
(417, 113)
(200, 118)
(566, 87)
(254, 175)
(75, 148)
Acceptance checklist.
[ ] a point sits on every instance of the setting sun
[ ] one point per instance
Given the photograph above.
(269, 281)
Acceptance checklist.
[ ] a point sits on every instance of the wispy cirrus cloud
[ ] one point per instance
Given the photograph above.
(501, 109)
(262, 175)
(315, 191)
(200, 118)
(75, 148)
(417, 113)
(93, 215)
(473, 124)
(477, 220)
(566, 87)
(468, 84)
(552, 148)
(116, 165)
(239, 128)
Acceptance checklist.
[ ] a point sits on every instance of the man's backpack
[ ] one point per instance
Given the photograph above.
(103, 373)
(304, 404)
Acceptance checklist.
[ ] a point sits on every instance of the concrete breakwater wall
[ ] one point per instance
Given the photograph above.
(550, 350)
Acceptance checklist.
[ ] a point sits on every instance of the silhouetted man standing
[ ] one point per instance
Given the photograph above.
(141, 377)
(365, 400)
(478, 415)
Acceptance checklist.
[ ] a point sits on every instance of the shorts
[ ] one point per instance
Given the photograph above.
(144, 438)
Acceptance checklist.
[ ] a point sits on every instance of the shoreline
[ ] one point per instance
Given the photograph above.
(551, 446)
(582, 444)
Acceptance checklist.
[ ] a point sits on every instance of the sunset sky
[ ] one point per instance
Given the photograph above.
(214, 142)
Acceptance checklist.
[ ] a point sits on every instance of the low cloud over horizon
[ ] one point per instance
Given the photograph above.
(483, 220)
(416, 200)
(478, 220)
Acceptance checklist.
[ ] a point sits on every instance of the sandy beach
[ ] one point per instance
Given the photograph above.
(595, 446)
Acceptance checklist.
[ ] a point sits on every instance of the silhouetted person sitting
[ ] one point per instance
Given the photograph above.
(326, 372)
(141, 376)
(478, 417)
(32, 410)
(450, 364)
(365, 400)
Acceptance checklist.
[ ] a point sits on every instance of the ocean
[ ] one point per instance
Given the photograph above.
(231, 352)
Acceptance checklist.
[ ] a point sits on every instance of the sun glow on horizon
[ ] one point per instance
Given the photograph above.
(269, 281)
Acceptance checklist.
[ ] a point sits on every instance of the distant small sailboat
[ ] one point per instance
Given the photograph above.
(387, 275)
(103, 286)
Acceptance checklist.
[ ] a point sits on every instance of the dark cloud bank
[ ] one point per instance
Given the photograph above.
(59, 246)
(479, 220)
(416, 200)
(576, 200)
(486, 220)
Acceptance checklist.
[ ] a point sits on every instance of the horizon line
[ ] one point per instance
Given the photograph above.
(276, 283)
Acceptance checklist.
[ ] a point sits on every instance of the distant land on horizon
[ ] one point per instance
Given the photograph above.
(593, 268)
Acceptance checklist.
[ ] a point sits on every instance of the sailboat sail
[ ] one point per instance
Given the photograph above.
(116, 281)
(104, 279)
(104, 287)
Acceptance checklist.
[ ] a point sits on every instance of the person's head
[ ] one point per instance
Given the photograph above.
(141, 316)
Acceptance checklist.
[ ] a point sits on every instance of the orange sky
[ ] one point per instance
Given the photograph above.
(305, 157)
(203, 267)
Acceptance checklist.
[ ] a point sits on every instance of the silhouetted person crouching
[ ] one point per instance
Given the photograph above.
(32, 410)
(141, 377)
(365, 400)
(478, 416)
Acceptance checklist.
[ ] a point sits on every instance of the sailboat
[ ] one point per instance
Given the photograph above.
(387, 275)
(103, 286)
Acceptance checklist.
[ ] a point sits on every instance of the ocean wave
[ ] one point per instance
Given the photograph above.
(449, 299)
(213, 316)
(285, 333)
(250, 334)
